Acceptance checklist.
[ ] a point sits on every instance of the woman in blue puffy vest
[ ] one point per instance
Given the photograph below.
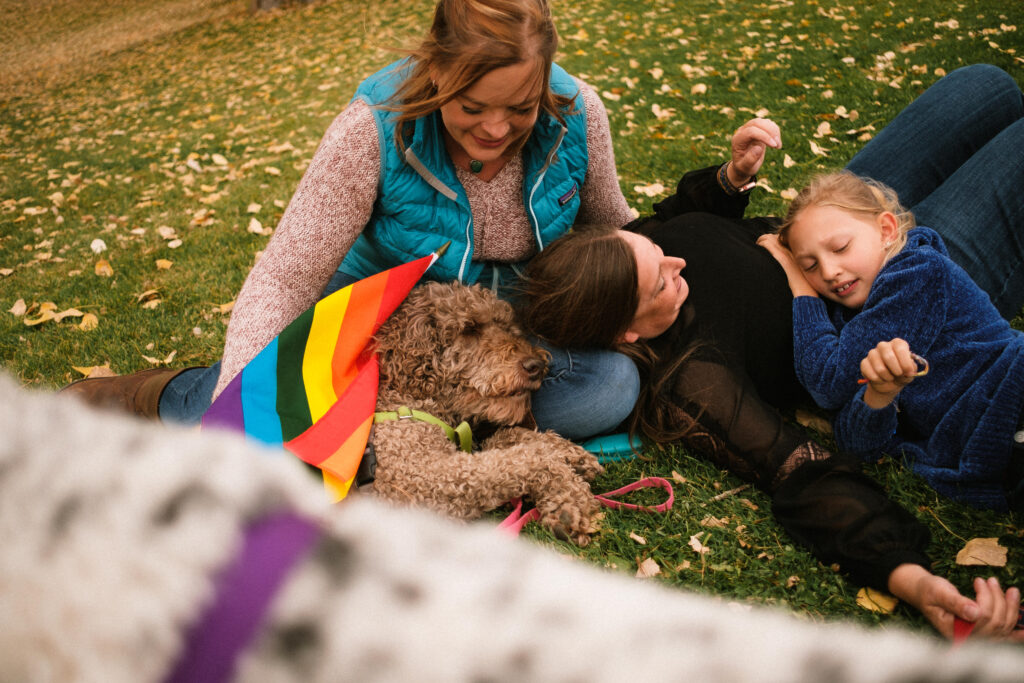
(476, 137)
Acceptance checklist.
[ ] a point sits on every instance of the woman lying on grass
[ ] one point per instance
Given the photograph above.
(715, 349)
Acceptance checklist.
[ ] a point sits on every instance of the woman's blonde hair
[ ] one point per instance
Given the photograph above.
(470, 38)
(852, 193)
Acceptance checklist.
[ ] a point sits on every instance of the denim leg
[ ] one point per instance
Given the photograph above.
(979, 211)
(187, 396)
(953, 156)
(585, 392)
(940, 130)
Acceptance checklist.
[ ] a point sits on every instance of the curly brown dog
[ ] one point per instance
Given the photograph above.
(457, 353)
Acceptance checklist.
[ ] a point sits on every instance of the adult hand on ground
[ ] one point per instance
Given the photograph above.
(993, 614)
(749, 143)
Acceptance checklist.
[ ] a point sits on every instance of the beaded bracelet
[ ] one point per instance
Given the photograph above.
(728, 187)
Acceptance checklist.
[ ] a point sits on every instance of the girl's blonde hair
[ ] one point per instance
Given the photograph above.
(470, 38)
(852, 193)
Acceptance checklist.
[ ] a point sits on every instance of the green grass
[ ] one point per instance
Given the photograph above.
(117, 134)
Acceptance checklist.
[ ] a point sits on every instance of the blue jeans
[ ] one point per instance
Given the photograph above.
(954, 157)
(584, 393)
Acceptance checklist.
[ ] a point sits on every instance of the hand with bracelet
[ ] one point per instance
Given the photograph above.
(749, 144)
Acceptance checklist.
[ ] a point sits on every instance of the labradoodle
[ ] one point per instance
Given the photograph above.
(456, 353)
(122, 542)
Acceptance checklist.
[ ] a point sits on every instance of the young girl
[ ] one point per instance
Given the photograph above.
(943, 372)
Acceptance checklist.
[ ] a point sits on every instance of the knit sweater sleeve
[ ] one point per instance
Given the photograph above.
(330, 208)
(861, 430)
(908, 300)
(601, 199)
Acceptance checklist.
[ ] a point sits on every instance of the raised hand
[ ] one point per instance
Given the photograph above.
(749, 144)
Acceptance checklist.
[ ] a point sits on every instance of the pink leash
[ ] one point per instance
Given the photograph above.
(515, 522)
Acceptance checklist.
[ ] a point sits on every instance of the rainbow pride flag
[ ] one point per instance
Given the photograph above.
(313, 389)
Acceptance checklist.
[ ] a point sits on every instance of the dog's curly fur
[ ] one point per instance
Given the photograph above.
(457, 353)
(114, 530)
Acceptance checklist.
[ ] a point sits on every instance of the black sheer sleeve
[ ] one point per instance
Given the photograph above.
(823, 500)
(699, 192)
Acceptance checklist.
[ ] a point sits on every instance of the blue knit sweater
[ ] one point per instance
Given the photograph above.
(955, 425)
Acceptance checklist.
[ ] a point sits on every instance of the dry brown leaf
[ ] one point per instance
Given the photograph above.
(103, 268)
(18, 308)
(982, 551)
(876, 601)
(638, 538)
(647, 569)
(714, 522)
(678, 478)
(652, 190)
(698, 546)
(792, 581)
(163, 264)
(223, 308)
(685, 564)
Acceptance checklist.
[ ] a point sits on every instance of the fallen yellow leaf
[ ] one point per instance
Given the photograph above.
(95, 370)
(103, 268)
(89, 322)
(46, 312)
(982, 551)
(163, 264)
(876, 601)
(815, 422)
(68, 313)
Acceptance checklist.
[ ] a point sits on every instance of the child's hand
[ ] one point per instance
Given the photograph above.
(888, 368)
(798, 284)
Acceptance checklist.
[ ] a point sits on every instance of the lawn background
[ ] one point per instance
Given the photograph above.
(165, 128)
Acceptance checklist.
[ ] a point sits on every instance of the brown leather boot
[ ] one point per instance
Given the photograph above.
(138, 393)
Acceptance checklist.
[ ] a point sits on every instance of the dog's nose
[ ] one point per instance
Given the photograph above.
(535, 368)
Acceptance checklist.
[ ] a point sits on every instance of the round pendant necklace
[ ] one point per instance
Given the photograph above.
(476, 166)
